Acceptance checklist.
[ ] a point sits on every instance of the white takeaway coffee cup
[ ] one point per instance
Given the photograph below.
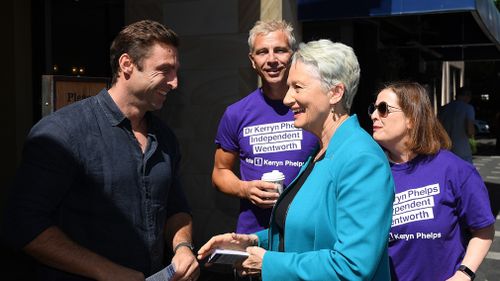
(275, 177)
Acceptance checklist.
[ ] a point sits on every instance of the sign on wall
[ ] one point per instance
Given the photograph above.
(59, 91)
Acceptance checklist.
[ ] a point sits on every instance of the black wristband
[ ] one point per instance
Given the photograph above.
(184, 244)
(467, 271)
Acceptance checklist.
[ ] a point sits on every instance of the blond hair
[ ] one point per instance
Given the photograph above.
(266, 27)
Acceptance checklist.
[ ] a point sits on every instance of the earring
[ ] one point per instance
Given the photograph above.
(333, 109)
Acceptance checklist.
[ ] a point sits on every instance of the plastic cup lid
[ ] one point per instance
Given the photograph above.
(275, 175)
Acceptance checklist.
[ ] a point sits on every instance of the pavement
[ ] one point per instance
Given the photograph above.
(488, 166)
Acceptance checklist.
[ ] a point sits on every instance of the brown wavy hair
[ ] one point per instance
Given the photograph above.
(426, 135)
(136, 40)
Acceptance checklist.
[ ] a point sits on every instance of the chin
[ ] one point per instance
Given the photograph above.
(298, 124)
(378, 140)
(156, 106)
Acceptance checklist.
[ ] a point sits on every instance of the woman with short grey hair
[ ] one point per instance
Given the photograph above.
(333, 220)
(335, 63)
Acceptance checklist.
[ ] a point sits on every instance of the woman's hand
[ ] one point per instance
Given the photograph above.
(230, 241)
(459, 276)
(253, 264)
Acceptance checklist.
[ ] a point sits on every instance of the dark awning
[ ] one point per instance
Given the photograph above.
(449, 29)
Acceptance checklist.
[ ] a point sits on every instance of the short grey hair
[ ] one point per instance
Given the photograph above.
(334, 63)
(266, 27)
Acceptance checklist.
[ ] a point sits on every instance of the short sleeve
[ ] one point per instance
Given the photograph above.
(473, 204)
(227, 132)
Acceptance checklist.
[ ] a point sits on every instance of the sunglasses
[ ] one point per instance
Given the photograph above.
(383, 109)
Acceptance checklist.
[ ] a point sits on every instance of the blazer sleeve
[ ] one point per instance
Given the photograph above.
(263, 238)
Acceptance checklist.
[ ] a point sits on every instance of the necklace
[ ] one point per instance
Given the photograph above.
(334, 129)
(341, 120)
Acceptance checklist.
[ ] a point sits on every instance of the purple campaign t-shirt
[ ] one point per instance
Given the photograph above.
(262, 132)
(437, 197)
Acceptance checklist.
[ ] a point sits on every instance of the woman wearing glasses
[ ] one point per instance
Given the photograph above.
(332, 221)
(442, 224)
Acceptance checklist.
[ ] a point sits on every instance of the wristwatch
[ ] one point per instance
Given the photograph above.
(184, 244)
(467, 271)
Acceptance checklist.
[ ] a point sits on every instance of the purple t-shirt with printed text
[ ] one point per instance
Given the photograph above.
(438, 199)
(262, 132)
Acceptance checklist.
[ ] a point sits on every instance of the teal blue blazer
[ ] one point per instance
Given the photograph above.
(337, 226)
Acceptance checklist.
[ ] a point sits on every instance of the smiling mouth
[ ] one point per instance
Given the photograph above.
(298, 110)
(163, 93)
(274, 70)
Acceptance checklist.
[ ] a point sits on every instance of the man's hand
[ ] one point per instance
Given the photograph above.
(186, 265)
(178, 229)
(261, 193)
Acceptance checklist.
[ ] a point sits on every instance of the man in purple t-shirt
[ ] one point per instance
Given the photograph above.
(259, 130)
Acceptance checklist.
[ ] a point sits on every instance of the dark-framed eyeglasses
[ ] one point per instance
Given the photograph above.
(383, 109)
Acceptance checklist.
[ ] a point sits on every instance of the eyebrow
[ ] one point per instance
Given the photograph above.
(169, 65)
